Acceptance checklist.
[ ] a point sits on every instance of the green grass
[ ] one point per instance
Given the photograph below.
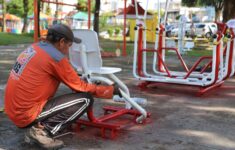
(111, 44)
(9, 38)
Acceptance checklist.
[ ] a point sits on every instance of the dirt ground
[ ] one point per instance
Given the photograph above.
(179, 119)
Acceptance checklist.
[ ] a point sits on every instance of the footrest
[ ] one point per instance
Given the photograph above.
(115, 121)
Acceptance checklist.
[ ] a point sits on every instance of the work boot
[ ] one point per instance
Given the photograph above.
(41, 137)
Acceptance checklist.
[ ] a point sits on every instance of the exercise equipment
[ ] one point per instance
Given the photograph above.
(219, 61)
(86, 58)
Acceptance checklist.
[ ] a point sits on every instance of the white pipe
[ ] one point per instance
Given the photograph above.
(155, 54)
(226, 65)
(120, 83)
(145, 12)
(136, 106)
(135, 53)
(159, 15)
(144, 54)
(136, 11)
(83, 58)
(166, 9)
(233, 60)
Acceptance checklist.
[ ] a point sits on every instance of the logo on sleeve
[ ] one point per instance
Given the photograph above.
(22, 61)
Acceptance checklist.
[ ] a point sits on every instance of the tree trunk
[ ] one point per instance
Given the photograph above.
(25, 15)
(218, 13)
(229, 11)
(56, 11)
(3, 16)
(96, 18)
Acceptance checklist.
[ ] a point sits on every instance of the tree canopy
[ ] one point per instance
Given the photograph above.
(218, 4)
(190, 3)
(16, 7)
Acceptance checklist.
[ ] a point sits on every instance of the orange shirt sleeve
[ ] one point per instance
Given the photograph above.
(65, 73)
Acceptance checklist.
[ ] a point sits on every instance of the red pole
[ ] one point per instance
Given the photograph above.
(36, 21)
(124, 31)
(140, 52)
(59, 3)
(89, 14)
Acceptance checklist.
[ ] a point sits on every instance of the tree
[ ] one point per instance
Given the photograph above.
(229, 11)
(21, 8)
(82, 5)
(190, 3)
(96, 18)
(217, 4)
(3, 15)
(25, 15)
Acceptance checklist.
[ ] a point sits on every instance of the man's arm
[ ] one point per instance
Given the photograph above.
(64, 72)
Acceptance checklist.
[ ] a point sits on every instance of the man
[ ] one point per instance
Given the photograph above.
(34, 80)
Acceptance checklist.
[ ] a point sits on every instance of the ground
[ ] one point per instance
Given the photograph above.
(179, 119)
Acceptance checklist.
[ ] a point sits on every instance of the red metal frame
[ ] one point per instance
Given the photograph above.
(196, 64)
(59, 3)
(160, 40)
(139, 56)
(124, 31)
(111, 113)
(89, 14)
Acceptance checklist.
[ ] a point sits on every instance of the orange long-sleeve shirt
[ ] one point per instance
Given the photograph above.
(35, 78)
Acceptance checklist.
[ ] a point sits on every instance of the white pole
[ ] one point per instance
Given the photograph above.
(166, 9)
(136, 10)
(159, 11)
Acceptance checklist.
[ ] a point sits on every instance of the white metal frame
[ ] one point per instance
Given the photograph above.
(86, 58)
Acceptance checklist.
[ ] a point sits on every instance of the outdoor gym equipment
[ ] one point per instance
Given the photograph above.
(160, 72)
(86, 58)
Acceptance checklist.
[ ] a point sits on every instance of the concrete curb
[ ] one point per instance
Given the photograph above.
(15, 46)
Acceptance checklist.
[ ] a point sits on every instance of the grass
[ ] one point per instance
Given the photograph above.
(9, 38)
(110, 45)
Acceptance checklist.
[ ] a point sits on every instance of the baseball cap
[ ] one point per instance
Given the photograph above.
(64, 31)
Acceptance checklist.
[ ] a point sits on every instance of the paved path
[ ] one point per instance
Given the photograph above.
(180, 120)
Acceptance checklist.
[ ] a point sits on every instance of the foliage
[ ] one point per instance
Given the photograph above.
(82, 5)
(16, 7)
(193, 3)
(117, 31)
(190, 3)
(48, 10)
(177, 17)
(103, 21)
(104, 18)
(110, 32)
(218, 4)
(215, 3)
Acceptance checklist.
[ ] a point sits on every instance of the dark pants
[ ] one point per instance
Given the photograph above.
(60, 112)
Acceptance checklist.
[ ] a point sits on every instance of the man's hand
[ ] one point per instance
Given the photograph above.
(116, 90)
